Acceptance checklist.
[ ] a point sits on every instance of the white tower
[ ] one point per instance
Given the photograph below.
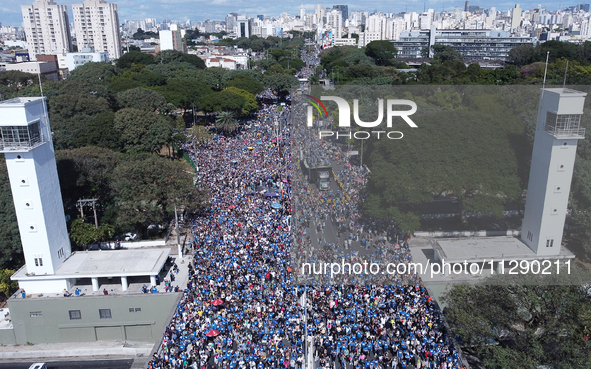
(27, 146)
(555, 147)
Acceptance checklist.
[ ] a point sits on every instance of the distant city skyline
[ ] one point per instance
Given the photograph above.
(180, 10)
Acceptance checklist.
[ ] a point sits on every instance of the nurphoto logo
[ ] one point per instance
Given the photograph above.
(345, 117)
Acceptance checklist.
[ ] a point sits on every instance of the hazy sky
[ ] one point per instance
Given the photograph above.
(181, 10)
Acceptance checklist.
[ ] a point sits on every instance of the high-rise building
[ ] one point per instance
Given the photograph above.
(243, 26)
(344, 9)
(516, 16)
(47, 28)
(467, 6)
(334, 19)
(171, 39)
(231, 22)
(319, 14)
(558, 130)
(97, 27)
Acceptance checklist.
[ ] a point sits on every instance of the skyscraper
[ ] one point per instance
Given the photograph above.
(344, 9)
(516, 16)
(319, 14)
(47, 29)
(97, 27)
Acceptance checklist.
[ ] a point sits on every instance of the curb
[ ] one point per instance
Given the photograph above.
(104, 351)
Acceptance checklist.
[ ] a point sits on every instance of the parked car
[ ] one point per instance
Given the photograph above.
(38, 366)
(130, 236)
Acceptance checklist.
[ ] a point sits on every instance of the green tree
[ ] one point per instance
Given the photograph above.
(142, 131)
(226, 122)
(199, 135)
(11, 253)
(7, 286)
(86, 172)
(381, 51)
(525, 324)
(84, 234)
(522, 55)
(245, 83)
(282, 84)
(147, 188)
(99, 131)
(223, 101)
(250, 101)
(194, 60)
(141, 98)
(444, 53)
(134, 57)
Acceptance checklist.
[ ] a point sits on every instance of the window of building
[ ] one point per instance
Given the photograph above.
(39, 262)
(549, 242)
(105, 313)
(75, 314)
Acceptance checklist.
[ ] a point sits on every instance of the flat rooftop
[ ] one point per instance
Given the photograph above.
(105, 263)
(20, 100)
(456, 250)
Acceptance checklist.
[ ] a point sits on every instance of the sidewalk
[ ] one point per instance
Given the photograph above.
(76, 350)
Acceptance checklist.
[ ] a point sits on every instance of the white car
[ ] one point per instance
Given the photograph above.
(38, 366)
(130, 236)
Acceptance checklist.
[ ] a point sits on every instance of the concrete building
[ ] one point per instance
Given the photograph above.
(225, 63)
(30, 159)
(97, 26)
(48, 69)
(471, 43)
(334, 20)
(47, 28)
(344, 9)
(319, 13)
(74, 60)
(242, 26)
(41, 311)
(172, 39)
(558, 130)
(516, 16)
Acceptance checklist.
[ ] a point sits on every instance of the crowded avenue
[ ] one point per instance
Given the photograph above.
(247, 304)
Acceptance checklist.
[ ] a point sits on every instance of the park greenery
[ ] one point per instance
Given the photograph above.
(528, 322)
(114, 129)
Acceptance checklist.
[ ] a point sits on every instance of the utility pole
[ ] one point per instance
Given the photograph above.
(178, 236)
(361, 153)
(80, 204)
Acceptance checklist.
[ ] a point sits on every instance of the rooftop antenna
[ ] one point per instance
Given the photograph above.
(43, 98)
(565, 70)
(545, 72)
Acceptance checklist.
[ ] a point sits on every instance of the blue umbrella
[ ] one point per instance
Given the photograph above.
(276, 205)
(272, 194)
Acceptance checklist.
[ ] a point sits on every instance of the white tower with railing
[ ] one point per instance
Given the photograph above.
(27, 146)
(555, 147)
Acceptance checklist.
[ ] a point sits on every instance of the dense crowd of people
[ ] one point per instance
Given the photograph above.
(245, 305)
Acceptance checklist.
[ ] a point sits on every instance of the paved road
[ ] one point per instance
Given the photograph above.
(95, 364)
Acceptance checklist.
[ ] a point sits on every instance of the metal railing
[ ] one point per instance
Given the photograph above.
(21, 145)
(566, 132)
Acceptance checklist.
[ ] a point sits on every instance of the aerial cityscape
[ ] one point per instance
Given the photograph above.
(308, 186)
